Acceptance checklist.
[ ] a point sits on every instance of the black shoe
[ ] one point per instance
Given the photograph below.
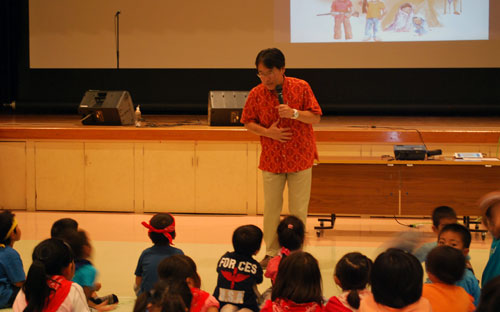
(112, 299)
(265, 261)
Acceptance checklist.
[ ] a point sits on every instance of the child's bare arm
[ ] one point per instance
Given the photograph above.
(88, 291)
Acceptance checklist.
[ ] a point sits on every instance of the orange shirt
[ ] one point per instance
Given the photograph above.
(261, 107)
(445, 297)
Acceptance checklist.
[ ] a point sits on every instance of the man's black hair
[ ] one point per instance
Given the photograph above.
(270, 58)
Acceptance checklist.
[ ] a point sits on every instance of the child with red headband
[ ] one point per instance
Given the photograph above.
(161, 232)
(11, 266)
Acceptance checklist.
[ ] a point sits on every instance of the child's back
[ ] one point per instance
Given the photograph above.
(352, 274)
(162, 232)
(238, 272)
(298, 285)
(445, 266)
(11, 266)
(291, 238)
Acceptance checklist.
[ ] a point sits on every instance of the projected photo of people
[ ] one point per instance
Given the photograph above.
(388, 20)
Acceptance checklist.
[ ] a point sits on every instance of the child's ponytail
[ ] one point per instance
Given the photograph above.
(36, 288)
(353, 274)
(291, 233)
(353, 299)
(50, 257)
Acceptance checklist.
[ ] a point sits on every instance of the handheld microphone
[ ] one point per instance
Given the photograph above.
(279, 90)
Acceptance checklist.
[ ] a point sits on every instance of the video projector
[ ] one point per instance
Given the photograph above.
(413, 152)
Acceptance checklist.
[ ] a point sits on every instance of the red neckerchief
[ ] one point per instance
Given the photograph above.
(165, 231)
(61, 287)
(199, 298)
(284, 305)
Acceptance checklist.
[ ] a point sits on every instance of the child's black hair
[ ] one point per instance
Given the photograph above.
(168, 295)
(6, 221)
(50, 257)
(353, 272)
(490, 296)
(298, 279)
(61, 226)
(442, 212)
(76, 240)
(446, 263)
(396, 278)
(247, 239)
(291, 233)
(460, 230)
(179, 267)
(161, 221)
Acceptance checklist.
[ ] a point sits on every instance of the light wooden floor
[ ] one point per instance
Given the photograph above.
(119, 238)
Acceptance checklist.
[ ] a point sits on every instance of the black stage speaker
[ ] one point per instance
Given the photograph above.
(107, 108)
(225, 107)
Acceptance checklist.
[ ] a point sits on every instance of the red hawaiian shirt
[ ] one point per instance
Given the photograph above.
(261, 107)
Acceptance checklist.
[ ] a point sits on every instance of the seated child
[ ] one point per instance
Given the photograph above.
(182, 267)
(490, 209)
(352, 274)
(441, 216)
(490, 296)
(458, 236)
(166, 295)
(61, 226)
(445, 266)
(298, 285)
(291, 238)
(11, 266)
(85, 272)
(239, 273)
(396, 280)
(48, 286)
(161, 232)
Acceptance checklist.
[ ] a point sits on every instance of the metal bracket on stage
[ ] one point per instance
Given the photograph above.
(468, 222)
(320, 229)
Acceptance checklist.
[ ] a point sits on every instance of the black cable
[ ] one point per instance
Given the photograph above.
(407, 225)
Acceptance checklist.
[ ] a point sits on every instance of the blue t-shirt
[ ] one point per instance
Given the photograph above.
(492, 268)
(85, 275)
(11, 272)
(147, 266)
(471, 285)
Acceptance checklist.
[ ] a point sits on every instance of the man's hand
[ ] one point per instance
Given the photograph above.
(285, 111)
(278, 134)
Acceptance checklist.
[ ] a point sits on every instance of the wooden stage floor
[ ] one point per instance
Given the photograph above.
(363, 129)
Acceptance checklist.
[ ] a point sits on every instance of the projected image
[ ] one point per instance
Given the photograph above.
(388, 20)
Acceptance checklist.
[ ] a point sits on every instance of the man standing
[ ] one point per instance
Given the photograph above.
(281, 110)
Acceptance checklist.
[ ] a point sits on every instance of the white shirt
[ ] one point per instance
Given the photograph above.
(74, 302)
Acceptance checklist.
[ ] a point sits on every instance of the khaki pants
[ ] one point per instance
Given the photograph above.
(299, 192)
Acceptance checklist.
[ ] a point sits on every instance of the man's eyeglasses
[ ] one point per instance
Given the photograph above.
(266, 74)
